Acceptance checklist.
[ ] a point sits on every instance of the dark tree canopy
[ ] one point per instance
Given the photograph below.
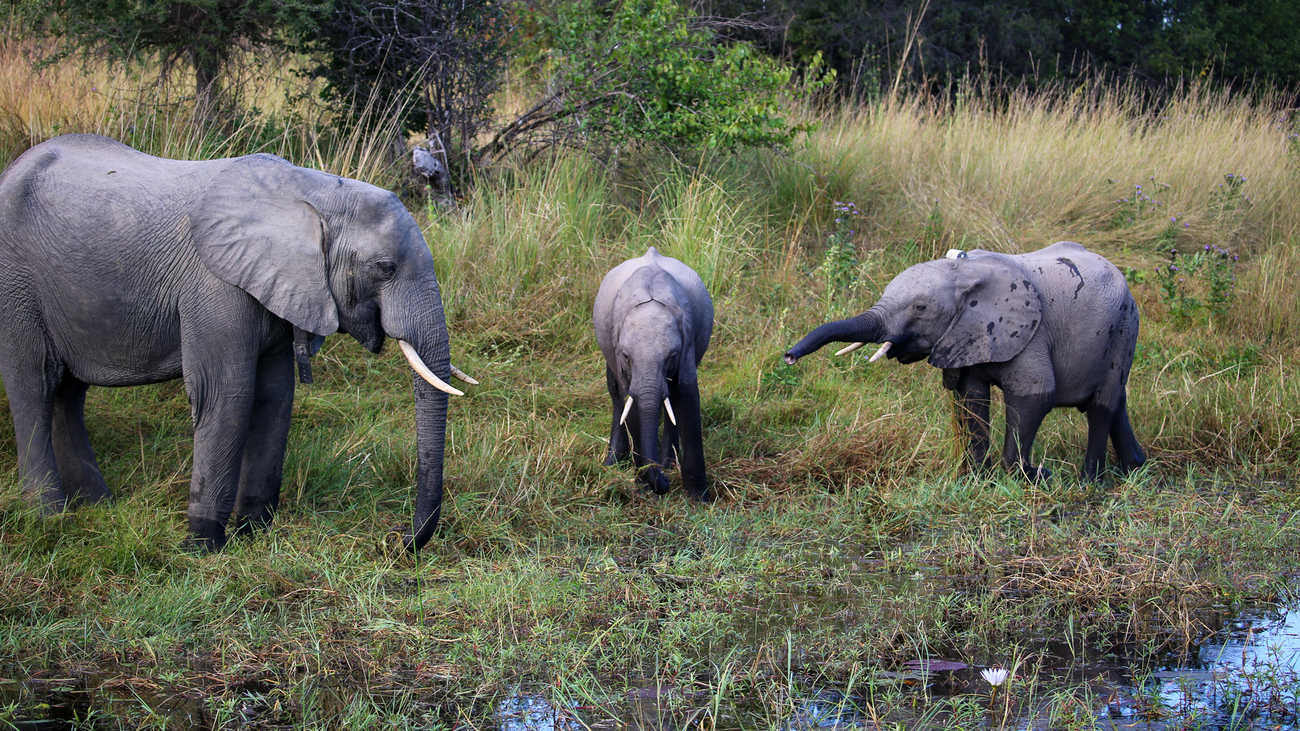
(433, 63)
(1152, 41)
(206, 34)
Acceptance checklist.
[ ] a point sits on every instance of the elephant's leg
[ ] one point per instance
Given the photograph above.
(221, 388)
(82, 480)
(618, 441)
(670, 443)
(971, 399)
(268, 432)
(1025, 413)
(31, 378)
(685, 398)
(1101, 420)
(1126, 444)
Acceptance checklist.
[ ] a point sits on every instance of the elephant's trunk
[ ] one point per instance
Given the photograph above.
(430, 441)
(864, 328)
(424, 329)
(648, 403)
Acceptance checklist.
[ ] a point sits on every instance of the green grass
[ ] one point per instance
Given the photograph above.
(845, 540)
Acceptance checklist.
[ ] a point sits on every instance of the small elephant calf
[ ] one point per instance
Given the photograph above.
(1055, 327)
(653, 320)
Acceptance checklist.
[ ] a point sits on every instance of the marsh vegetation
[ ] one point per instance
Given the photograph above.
(847, 551)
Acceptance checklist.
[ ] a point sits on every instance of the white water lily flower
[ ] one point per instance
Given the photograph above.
(995, 676)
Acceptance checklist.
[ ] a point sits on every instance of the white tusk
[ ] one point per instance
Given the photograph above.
(880, 353)
(413, 358)
(626, 408)
(849, 348)
(462, 376)
(671, 416)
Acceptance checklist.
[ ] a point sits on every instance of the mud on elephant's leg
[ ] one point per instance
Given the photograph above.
(262, 470)
(30, 388)
(1025, 414)
(1101, 419)
(221, 405)
(1127, 449)
(671, 443)
(78, 469)
(971, 400)
(686, 400)
(619, 446)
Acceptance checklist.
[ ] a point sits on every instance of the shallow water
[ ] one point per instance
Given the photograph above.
(1245, 675)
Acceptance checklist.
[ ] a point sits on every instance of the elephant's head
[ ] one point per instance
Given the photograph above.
(653, 343)
(329, 254)
(957, 312)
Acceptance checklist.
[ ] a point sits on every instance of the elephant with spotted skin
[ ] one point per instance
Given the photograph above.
(1055, 327)
(122, 269)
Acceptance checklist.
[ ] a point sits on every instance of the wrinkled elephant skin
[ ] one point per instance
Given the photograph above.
(124, 269)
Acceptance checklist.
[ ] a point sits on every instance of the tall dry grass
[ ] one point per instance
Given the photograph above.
(1038, 167)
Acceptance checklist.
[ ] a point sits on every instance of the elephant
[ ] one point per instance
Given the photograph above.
(653, 319)
(1054, 327)
(122, 268)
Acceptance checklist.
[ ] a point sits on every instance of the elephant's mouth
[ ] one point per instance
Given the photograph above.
(911, 350)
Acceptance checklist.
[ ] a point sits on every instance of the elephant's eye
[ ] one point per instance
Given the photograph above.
(920, 308)
(385, 268)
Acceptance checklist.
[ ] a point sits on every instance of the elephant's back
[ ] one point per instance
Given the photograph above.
(94, 238)
(1090, 315)
(686, 278)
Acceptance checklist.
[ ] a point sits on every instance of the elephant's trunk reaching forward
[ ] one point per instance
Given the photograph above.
(863, 328)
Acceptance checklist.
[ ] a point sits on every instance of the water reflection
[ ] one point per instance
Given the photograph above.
(535, 713)
(1245, 676)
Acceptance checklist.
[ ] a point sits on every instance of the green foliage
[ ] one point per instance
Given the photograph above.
(1211, 272)
(839, 267)
(646, 70)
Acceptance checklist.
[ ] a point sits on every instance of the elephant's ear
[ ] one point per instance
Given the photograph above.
(254, 228)
(998, 313)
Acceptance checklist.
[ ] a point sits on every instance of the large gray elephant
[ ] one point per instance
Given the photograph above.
(653, 320)
(1056, 327)
(121, 268)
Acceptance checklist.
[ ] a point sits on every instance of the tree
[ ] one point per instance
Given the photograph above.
(205, 34)
(433, 63)
(648, 71)
(1152, 41)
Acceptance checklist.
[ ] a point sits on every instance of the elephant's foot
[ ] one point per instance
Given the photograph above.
(49, 500)
(206, 536)
(699, 493)
(257, 522)
(652, 478)
(982, 467)
(90, 495)
(1031, 473)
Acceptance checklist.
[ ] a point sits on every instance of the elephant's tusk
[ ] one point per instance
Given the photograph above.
(626, 408)
(880, 353)
(671, 416)
(463, 376)
(413, 358)
(849, 348)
